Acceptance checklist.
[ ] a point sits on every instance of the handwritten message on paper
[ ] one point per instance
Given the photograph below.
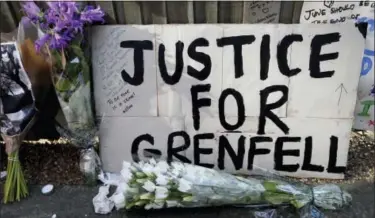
(332, 12)
(230, 97)
(263, 11)
(116, 97)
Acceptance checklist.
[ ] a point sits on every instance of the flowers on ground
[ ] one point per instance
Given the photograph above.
(157, 184)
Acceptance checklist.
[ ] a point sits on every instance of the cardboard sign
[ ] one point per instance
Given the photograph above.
(237, 98)
(351, 12)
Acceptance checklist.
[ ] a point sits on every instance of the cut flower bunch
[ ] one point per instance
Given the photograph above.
(62, 37)
(157, 184)
(62, 31)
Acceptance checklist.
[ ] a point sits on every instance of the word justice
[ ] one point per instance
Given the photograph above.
(317, 42)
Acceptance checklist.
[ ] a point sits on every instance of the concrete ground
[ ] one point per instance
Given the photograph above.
(76, 201)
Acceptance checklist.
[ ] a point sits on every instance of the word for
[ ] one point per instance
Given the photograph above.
(225, 148)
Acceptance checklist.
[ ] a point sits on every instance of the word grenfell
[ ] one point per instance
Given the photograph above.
(175, 150)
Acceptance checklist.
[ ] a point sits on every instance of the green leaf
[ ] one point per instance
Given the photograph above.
(297, 204)
(141, 203)
(83, 62)
(129, 206)
(146, 196)
(63, 85)
(140, 175)
(277, 198)
(188, 199)
(270, 186)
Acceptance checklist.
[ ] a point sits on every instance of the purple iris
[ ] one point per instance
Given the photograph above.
(32, 11)
(41, 41)
(61, 22)
(91, 14)
(65, 10)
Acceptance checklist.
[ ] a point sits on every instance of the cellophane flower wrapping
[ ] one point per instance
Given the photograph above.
(62, 31)
(158, 184)
(72, 81)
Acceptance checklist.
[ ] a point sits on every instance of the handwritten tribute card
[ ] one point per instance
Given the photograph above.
(331, 12)
(262, 11)
(230, 97)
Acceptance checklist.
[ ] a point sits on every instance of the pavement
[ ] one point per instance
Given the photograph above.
(76, 202)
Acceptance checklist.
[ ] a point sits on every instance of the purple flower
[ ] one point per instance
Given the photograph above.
(65, 13)
(55, 39)
(65, 10)
(41, 41)
(91, 14)
(62, 22)
(32, 11)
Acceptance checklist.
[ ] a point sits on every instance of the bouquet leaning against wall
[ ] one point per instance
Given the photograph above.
(62, 34)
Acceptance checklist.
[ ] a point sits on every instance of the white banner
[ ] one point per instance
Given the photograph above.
(230, 97)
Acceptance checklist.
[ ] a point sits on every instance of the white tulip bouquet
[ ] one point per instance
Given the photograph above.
(157, 184)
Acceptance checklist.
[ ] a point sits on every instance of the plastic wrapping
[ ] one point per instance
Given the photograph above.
(68, 50)
(26, 86)
(17, 103)
(157, 184)
(90, 165)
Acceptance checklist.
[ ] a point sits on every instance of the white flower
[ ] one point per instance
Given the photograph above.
(184, 185)
(161, 192)
(162, 180)
(178, 165)
(148, 169)
(126, 165)
(177, 169)
(149, 186)
(126, 174)
(152, 161)
(172, 203)
(161, 167)
(123, 187)
(135, 166)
